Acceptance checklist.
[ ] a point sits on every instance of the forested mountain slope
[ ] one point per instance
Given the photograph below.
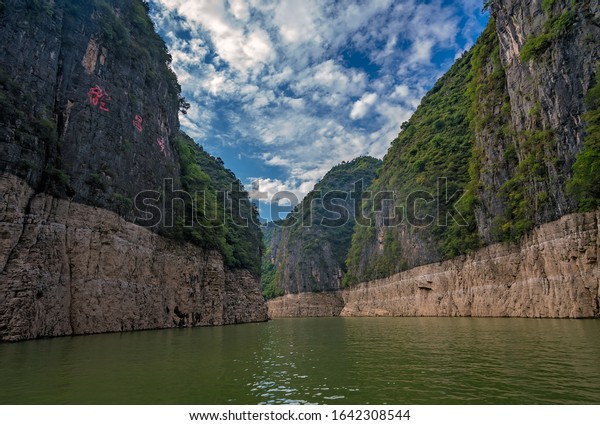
(306, 252)
(505, 141)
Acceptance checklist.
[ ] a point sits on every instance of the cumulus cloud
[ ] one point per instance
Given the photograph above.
(300, 86)
(362, 107)
(295, 21)
(401, 91)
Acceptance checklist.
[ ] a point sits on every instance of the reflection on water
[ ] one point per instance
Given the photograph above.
(325, 361)
(289, 365)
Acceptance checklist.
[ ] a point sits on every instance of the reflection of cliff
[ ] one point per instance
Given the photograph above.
(89, 108)
(554, 272)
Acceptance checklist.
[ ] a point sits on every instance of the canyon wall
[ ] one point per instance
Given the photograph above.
(554, 272)
(306, 252)
(504, 126)
(307, 304)
(89, 119)
(67, 268)
(503, 145)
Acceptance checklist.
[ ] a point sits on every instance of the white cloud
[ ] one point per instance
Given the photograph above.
(298, 78)
(331, 78)
(401, 91)
(244, 48)
(218, 84)
(361, 107)
(295, 21)
(421, 51)
(276, 160)
(239, 9)
(276, 190)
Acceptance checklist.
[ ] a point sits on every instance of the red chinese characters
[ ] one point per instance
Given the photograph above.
(99, 97)
(137, 123)
(163, 146)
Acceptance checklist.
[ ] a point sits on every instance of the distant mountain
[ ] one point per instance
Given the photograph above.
(306, 252)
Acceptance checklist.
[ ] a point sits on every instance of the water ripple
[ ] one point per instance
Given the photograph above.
(316, 361)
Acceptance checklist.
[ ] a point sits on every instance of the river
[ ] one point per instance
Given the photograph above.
(324, 361)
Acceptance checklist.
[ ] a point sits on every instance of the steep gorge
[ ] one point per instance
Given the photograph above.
(306, 251)
(552, 272)
(502, 146)
(500, 127)
(89, 112)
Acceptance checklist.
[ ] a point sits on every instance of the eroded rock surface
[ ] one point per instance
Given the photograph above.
(554, 272)
(307, 304)
(69, 268)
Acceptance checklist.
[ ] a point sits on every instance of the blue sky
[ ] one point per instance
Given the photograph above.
(284, 90)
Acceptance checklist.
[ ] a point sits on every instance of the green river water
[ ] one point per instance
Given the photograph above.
(324, 361)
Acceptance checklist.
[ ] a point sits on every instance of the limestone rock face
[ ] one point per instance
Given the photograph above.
(522, 116)
(88, 120)
(307, 304)
(307, 251)
(68, 268)
(87, 97)
(544, 97)
(554, 273)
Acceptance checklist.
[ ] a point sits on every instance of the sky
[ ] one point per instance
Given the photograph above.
(283, 90)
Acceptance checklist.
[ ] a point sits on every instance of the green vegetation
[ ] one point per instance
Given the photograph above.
(269, 280)
(313, 235)
(444, 126)
(553, 28)
(514, 167)
(435, 143)
(547, 6)
(269, 276)
(124, 203)
(41, 8)
(585, 184)
(96, 182)
(216, 223)
(125, 26)
(57, 181)
(518, 193)
(15, 106)
(339, 181)
(488, 91)
(123, 29)
(38, 132)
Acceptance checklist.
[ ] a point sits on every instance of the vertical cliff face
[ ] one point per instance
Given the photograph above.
(518, 101)
(90, 107)
(89, 113)
(306, 252)
(552, 272)
(424, 169)
(69, 268)
(549, 53)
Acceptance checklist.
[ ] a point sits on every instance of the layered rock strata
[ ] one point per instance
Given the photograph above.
(68, 268)
(552, 273)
